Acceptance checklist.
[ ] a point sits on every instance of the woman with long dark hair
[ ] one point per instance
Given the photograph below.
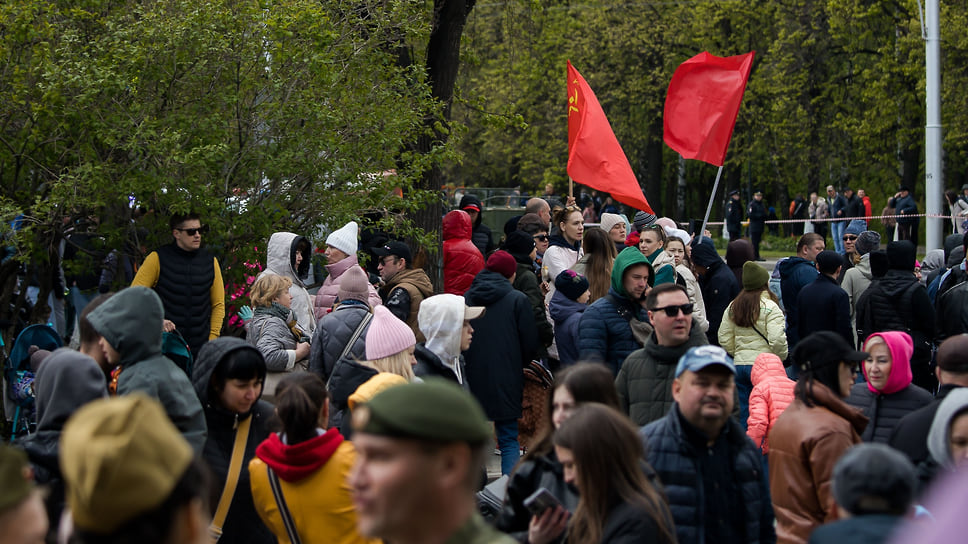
(752, 324)
(601, 453)
(311, 464)
(596, 263)
(812, 433)
(539, 468)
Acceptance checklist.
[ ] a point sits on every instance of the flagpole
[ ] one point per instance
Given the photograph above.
(709, 207)
(571, 188)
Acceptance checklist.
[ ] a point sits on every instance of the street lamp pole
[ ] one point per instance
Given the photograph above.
(933, 174)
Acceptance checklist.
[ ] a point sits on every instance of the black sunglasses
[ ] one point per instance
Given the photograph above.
(849, 238)
(192, 232)
(541, 237)
(673, 311)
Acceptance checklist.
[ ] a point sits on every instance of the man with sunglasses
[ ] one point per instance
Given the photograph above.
(644, 383)
(189, 281)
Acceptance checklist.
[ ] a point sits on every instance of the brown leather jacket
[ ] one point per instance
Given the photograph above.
(805, 443)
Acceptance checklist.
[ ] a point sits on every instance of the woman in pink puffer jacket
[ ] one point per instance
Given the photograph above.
(772, 393)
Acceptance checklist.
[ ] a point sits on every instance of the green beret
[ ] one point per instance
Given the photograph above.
(431, 410)
(16, 479)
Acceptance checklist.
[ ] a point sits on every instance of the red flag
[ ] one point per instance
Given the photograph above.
(702, 104)
(595, 158)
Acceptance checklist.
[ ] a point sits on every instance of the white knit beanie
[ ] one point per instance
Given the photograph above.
(609, 220)
(345, 239)
(387, 335)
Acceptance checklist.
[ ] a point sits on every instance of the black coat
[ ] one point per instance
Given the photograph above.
(870, 529)
(631, 524)
(910, 436)
(823, 305)
(951, 304)
(884, 411)
(719, 288)
(734, 215)
(757, 215)
(242, 524)
(897, 302)
(505, 339)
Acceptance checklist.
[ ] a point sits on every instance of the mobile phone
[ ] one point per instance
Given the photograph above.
(539, 501)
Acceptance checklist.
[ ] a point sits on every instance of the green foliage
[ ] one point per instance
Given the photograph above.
(836, 95)
(261, 116)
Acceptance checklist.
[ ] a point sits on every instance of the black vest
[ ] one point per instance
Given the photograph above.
(184, 285)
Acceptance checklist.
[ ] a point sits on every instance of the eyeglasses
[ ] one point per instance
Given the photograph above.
(849, 238)
(541, 238)
(192, 232)
(673, 311)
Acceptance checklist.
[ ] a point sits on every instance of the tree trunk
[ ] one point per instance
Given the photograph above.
(443, 62)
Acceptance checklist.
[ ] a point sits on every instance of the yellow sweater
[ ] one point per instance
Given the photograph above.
(320, 504)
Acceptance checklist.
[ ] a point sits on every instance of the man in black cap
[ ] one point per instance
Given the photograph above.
(404, 287)
(482, 233)
(910, 435)
(822, 304)
(904, 204)
(757, 216)
(420, 448)
(734, 215)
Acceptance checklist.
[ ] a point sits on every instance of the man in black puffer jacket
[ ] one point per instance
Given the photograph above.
(712, 472)
(898, 302)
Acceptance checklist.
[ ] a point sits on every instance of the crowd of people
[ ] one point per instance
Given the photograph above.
(691, 398)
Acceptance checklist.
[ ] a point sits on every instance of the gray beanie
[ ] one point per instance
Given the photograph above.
(642, 220)
(874, 479)
(867, 241)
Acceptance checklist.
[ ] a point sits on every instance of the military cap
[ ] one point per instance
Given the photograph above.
(16, 478)
(121, 457)
(432, 410)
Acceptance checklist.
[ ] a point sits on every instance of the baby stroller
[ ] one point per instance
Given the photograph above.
(18, 378)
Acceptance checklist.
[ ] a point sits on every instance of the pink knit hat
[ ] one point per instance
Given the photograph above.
(387, 335)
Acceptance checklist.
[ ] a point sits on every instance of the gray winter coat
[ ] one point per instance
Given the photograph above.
(271, 336)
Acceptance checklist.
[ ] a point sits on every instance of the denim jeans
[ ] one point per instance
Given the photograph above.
(507, 442)
(837, 232)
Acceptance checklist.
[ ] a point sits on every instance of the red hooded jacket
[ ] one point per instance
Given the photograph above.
(462, 259)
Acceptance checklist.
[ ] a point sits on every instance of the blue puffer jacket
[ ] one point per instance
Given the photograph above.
(675, 460)
(795, 274)
(604, 335)
(567, 316)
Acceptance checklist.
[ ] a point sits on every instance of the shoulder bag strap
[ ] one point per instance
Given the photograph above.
(762, 336)
(356, 334)
(349, 346)
(287, 520)
(231, 480)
